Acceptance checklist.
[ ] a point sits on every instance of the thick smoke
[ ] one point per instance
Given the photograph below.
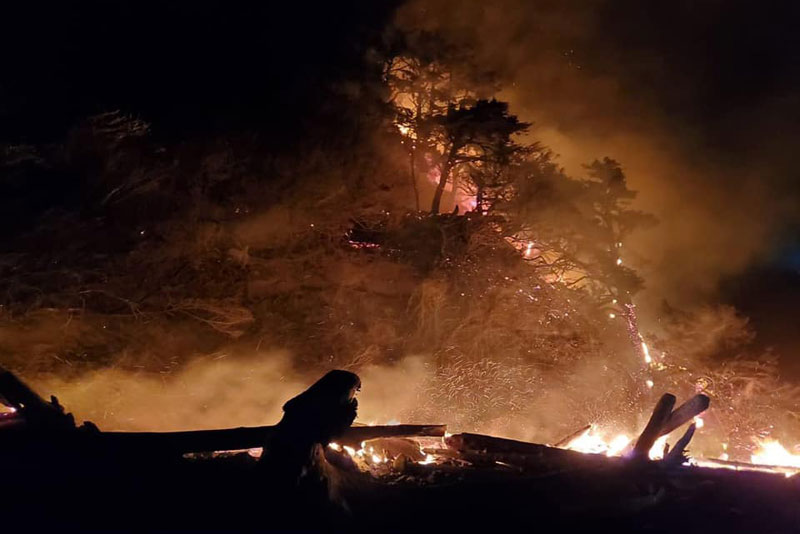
(701, 134)
(219, 392)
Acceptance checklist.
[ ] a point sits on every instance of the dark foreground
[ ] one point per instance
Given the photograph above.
(58, 477)
(51, 491)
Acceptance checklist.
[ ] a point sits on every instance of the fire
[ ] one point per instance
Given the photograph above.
(368, 457)
(771, 452)
(770, 456)
(617, 445)
(656, 452)
(589, 442)
(593, 442)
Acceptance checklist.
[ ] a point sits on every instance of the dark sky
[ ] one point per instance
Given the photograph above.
(190, 66)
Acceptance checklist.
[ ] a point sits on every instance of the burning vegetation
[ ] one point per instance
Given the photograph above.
(410, 230)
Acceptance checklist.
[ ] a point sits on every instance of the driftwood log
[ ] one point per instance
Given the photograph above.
(230, 439)
(480, 449)
(664, 420)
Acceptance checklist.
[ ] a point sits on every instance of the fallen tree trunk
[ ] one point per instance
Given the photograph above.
(229, 439)
(479, 448)
(357, 434)
(491, 444)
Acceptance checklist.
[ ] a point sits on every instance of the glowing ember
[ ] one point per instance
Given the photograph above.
(646, 352)
(429, 459)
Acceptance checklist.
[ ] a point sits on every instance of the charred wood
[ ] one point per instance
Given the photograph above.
(685, 413)
(483, 443)
(678, 453)
(652, 431)
(35, 411)
(480, 449)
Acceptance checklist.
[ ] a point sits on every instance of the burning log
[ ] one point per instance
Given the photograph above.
(491, 444)
(664, 420)
(490, 451)
(652, 431)
(357, 434)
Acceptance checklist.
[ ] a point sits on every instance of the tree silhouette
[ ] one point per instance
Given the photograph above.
(478, 136)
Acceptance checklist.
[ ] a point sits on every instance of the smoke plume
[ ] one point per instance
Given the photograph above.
(701, 134)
